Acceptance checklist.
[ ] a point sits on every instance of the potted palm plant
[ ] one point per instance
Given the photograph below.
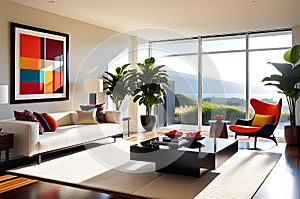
(116, 86)
(287, 82)
(146, 87)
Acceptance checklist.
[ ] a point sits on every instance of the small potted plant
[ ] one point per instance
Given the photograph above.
(116, 85)
(146, 87)
(287, 82)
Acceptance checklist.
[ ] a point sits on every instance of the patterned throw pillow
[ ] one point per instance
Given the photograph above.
(28, 116)
(87, 107)
(48, 122)
(100, 114)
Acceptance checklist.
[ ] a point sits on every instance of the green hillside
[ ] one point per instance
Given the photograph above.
(182, 100)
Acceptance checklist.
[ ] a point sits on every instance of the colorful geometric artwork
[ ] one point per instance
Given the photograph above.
(40, 61)
(40, 64)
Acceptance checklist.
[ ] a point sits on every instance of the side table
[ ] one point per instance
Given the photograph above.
(218, 128)
(6, 142)
(128, 120)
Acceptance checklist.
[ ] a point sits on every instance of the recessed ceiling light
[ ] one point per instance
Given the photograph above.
(51, 1)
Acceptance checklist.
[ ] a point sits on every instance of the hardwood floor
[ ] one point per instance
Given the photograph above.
(282, 182)
(45, 190)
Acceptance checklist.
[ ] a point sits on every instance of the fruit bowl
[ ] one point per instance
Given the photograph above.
(173, 134)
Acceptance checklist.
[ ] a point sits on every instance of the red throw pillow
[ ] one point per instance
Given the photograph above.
(43, 121)
(51, 121)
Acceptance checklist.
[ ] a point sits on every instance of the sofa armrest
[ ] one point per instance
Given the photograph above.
(26, 136)
(114, 117)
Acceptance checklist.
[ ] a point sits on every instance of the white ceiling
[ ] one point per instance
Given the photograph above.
(187, 17)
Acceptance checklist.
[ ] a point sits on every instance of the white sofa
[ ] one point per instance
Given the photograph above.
(28, 142)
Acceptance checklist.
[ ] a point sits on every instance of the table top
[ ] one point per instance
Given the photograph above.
(214, 121)
(207, 145)
(5, 133)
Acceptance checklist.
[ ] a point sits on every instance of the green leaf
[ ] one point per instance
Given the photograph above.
(136, 98)
(149, 61)
(287, 56)
(118, 69)
(110, 74)
(283, 68)
(296, 73)
(274, 78)
(294, 54)
(137, 91)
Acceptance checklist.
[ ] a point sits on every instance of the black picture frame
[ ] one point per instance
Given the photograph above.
(39, 65)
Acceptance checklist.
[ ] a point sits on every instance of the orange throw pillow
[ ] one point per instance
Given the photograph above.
(260, 120)
(51, 121)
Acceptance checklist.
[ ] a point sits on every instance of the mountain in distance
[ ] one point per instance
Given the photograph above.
(188, 84)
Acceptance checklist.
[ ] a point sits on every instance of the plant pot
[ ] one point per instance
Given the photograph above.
(292, 135)
(148, 122)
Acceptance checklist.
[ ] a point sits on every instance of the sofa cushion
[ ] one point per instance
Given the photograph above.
(86, 117)
(43, 121)
(48, 122)
(63, 118)
(28, 116)
(51, 121)
(66, 136)
(100, 114)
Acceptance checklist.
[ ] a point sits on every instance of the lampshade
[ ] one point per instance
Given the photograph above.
(3, 94)
(93, 85)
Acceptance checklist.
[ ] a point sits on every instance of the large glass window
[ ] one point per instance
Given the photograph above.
(228, 43)
(181, 60)
(264, 48)
(232, 69)
(224, 89)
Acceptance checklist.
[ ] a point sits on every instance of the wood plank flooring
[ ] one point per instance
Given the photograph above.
(283, 181)
(9, 183)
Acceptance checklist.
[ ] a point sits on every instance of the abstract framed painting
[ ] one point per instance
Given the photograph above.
(39, 65)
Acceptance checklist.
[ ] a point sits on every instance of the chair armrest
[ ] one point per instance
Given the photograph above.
(114, 117)
(244, 122)
(26, 136)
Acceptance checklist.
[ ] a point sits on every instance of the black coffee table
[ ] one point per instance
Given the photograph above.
(188, 159)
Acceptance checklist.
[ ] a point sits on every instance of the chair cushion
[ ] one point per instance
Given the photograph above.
(260, 120)
(243, 129)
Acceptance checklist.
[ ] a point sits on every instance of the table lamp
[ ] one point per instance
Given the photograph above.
(3, 96)
(93, 86)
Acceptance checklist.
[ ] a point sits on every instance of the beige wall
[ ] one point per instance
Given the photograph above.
(91, 47)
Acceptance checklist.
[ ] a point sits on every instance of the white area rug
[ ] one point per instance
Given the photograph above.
(107, 167)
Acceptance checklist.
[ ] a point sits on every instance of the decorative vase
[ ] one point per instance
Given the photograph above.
(148, 122)
(292, 135)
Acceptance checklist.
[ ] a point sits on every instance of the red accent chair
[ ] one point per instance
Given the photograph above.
(263, 123)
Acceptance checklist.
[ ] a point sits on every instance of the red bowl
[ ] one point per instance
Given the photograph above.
(173, 134)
